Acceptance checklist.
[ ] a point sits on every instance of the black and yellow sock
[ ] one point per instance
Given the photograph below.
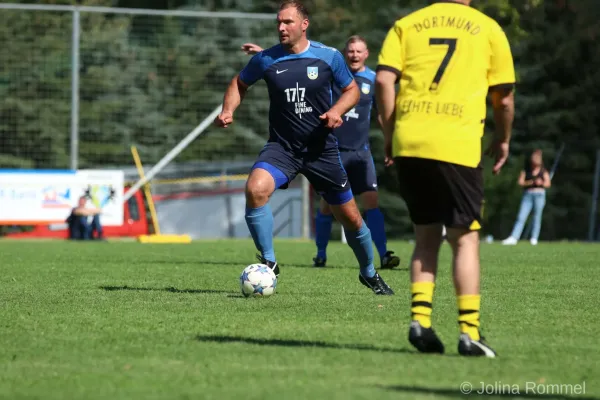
(468, 314)
(422, 299)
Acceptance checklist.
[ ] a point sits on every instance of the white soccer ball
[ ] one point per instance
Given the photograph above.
(258, 280)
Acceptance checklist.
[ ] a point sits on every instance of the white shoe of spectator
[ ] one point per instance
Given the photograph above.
(533, 242)
(509, 241)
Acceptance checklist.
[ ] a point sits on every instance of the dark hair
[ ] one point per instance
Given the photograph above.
(354, 39)
(297, 4)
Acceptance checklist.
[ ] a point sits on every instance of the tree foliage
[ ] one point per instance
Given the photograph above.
(149, 80)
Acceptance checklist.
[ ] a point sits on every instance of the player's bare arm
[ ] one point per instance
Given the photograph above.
(385, 95)
(350, 96)
(380, 121)
(233, 97)
(503, 102)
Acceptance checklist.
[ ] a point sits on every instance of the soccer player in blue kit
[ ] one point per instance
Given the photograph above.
(353, 142)
(300, 77)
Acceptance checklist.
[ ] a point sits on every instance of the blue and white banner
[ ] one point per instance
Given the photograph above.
(36, 197)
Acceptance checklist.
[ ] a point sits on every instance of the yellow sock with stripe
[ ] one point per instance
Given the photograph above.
(422, 299)
(468, 315)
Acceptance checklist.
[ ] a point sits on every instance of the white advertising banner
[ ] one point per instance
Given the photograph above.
(39, 197)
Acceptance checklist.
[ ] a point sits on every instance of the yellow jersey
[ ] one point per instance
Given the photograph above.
(447, 56)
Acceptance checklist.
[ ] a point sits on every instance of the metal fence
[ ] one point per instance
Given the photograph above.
(80, 85)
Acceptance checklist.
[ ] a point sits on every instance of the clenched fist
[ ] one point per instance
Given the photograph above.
(332, 119)
(224, 119)
(387, 147)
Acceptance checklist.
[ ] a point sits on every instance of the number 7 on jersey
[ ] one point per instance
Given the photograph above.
(451, 43)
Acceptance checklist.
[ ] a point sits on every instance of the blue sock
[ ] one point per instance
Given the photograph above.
(323, 224)
(260, 224)
(375, 223)
(360, 242)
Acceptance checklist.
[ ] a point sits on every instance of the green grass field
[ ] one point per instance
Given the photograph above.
(132, 321)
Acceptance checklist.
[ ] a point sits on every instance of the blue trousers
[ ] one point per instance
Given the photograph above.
(81, 229)
(535, 201)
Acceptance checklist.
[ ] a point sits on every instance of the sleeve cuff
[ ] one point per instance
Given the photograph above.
(502, 86)
(243, 81)
(388, 68)
(242, 77)
(345, 85)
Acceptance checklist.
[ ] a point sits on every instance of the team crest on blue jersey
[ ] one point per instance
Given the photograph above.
(365, 88)
(312, 72)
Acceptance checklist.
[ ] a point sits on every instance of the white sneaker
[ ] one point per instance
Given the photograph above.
(533, 242)
(509, 241)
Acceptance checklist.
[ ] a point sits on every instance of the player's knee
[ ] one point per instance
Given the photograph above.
(353, 221)
(462, 237)
(257, 194)
(324, 207)
(348, 215)
(428, 237)
(463, 240)
(258, 189)
(370, 200)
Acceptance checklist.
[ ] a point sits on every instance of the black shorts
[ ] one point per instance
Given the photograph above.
(324, 170)
(360, 169)
(441, 192)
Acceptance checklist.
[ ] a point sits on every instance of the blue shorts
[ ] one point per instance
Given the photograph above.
(324, 170)
(361, 170)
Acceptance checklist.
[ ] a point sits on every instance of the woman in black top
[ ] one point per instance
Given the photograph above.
(534, 179)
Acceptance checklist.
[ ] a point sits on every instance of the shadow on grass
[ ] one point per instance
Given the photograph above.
(299, 343)
(197, 262)
(244, 263)
(338, 266)
(397, 269)
(167, 289)
(499, 392)
(319, 268)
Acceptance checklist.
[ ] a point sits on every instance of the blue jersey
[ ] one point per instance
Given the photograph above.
(300, 90)
(354, 132)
